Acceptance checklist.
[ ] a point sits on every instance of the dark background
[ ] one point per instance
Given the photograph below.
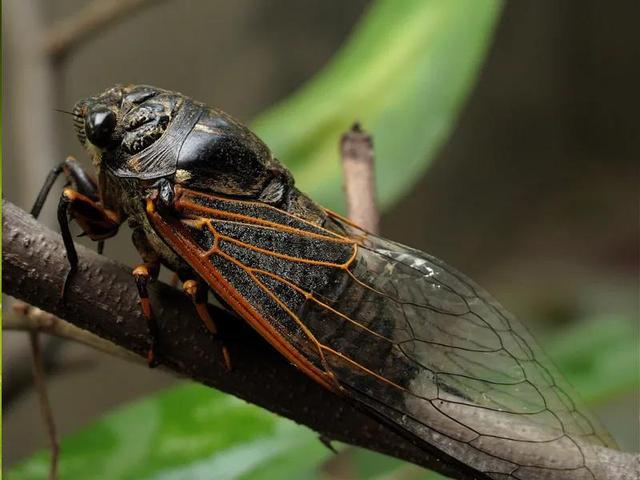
(535, 195)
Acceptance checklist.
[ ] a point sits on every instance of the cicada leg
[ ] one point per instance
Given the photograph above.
(96, 221)
(76, 176)
(143, 274)
(80, 203)
(326, 441)
(197, 291)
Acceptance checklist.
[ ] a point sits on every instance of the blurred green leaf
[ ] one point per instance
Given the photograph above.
(185, 433)
(404, 74)
(374, 466)
(599, 357)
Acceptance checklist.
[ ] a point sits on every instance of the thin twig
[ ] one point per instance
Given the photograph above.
(38, 368)
(356, 149)
(17, 375)
(45, 406)
(88, 21)
(31, 318)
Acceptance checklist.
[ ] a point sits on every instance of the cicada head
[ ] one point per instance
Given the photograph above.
(143, 132)
(123, 121)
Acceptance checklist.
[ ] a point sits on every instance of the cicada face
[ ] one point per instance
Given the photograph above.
(124, 117)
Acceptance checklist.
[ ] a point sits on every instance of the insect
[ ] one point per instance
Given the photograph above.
(400, 333)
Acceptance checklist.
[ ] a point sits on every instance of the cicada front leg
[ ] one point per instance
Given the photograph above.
(97, 222)
(76, 177)
(80, 201)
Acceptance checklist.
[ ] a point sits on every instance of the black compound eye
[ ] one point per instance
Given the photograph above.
(99, 124)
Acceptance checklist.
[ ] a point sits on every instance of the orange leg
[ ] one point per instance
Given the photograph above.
(95, 220)
(198, 294)
(142, 274)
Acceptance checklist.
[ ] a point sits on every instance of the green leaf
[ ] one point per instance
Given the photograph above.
(599, 357)
(374, 466)
(404, 74)
(185, 433)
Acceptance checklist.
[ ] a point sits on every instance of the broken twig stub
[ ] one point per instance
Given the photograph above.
(356, 149)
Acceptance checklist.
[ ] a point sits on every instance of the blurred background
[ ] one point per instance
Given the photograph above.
(533, 190)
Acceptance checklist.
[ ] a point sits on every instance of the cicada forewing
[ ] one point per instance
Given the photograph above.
(404, 335)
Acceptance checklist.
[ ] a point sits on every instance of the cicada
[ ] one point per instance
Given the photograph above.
(398, 332)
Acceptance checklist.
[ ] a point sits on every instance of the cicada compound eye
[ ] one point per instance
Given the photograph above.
(99, 124)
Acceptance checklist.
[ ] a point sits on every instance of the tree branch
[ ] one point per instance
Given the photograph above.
(88, 21)
(103, 300)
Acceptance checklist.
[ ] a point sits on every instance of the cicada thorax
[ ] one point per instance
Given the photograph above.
(165, 135)
(221, 155)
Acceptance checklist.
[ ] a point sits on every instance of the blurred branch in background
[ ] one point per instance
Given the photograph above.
(45, 406)
(28, 95)
(17, 376)
(95, 16)
(26, 318)
(34, 88)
